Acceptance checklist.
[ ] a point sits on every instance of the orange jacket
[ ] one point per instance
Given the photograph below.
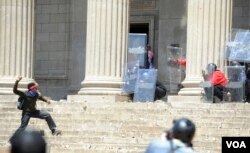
(182, 62)
(218, 78)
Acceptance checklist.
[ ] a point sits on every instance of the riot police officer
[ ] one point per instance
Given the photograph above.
(177, 140)
(218, 82)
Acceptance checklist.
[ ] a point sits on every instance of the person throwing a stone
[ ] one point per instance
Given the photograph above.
(29, 110)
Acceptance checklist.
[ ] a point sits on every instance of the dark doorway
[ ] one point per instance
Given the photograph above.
(140, 28)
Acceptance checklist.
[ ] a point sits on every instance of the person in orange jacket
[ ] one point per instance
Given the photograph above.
(182, 62)
(217, 79)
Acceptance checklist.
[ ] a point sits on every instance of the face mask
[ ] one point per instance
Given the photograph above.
(33, 94)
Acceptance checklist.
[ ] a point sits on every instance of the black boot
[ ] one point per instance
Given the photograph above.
(56, 132)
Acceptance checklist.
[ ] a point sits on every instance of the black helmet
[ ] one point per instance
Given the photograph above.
(235, 63)
(27, 141)
(211, 67)
(184, 130)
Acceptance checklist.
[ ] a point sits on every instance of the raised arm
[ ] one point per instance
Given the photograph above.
(18, 92)
(204, 75)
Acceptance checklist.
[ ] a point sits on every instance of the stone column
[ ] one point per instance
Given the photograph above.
(107, 33)
(208, 27)
(16, 42)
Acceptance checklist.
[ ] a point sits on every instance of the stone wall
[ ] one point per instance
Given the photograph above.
(173, 30)
(241, 14)
(147, 11)
(60, 45)
(61, 35)
(78, 26)
(52, 46)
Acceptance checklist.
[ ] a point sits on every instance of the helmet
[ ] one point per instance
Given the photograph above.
(27, 141)
(211, 67)
(183, 130)
(235, 63)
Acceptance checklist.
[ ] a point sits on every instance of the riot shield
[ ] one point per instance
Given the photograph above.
(176, 65)
(238, 46)
(236, 85)
(145, 85)
(137, 48)
(238, 57)
(208, 91)
(129, 77)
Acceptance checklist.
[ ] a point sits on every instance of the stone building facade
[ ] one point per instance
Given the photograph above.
(79, 46)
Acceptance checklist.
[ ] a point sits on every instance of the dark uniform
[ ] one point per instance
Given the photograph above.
(179, 139)
(170, 146)
(29, 109)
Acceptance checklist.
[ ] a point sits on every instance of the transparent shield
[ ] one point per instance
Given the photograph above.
(176, 65)
(238, 58)
(145, 85)
(236, 85)
(137, 48)
(129, 77)
(237, 48)
(208, 94)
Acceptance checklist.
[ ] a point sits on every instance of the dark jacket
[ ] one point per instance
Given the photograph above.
(160, 90)
(168, 146)
(29, 100)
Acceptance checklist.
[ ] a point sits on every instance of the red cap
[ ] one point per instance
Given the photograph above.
(32, 85)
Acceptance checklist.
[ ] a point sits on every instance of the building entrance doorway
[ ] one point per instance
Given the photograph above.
(140, 28)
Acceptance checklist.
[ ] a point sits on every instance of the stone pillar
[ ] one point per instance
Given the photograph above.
(208, 27)
(16, 42)
(107, 33)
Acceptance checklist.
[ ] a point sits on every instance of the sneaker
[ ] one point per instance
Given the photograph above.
(56, 132)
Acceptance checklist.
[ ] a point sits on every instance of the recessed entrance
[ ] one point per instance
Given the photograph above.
(140, 28)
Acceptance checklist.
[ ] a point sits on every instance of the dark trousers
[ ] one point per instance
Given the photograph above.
(216, 90)
(159, 93)
(42, 114)
(219, 91)
(247, 90)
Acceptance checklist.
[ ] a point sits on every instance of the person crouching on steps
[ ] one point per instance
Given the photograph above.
(218, 81)
(29, 107)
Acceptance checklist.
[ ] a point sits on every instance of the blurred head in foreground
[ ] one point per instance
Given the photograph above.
(27, 141)
(178, 139)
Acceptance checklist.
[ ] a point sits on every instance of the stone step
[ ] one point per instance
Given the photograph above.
(4, 149)
(93, 139)
(152, 118)
(8, 98)
(235, 109)
(238, 110)
(132, 138)
(104, 126)
(132, 130)
(180, 111)
(223, 121)
(84, 116)
(95, 148)
(148, 121)
(120, 127)
(87, 119)
(96, 126)
(90, 148)
(58, 143)
(91, 133)
(98, 138)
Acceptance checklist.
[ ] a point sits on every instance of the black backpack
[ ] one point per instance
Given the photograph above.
(20, 102)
